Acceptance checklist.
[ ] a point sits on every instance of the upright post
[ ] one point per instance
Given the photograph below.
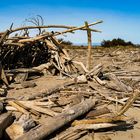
(89, 46)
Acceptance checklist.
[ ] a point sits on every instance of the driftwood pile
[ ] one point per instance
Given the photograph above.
(43, 51)
(89, 101)
(19, 50)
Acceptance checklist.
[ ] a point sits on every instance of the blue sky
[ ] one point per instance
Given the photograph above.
(121, 17)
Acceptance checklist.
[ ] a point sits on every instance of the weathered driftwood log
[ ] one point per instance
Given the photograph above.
(78, 80)
(21, 74)
(18, 128)
(103, 92)
(120, 86)
(6, 119)
(22, 70)
(30, 70)
(58, 121)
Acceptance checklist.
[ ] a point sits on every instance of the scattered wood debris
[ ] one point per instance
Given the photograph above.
(87, 101)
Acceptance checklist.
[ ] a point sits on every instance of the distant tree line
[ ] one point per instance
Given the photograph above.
(105, 43)
(116, 42)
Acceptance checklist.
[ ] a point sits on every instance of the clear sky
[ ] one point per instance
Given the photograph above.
(121, 17)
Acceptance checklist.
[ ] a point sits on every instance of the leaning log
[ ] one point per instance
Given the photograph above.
(57, 33)
(129, 102)
(58, 121)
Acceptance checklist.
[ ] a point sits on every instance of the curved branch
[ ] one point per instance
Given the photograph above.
(54, 26)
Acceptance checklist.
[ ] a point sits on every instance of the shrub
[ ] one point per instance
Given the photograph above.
(116, 42)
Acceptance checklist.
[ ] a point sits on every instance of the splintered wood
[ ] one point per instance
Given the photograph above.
(48, 93)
